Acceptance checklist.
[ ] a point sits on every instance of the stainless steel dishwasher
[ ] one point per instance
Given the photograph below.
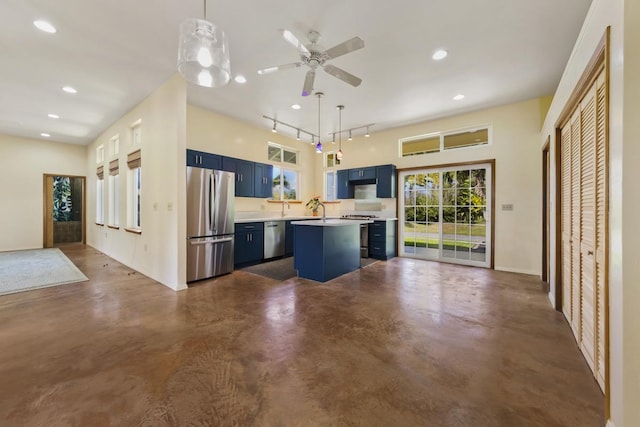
(274, 239)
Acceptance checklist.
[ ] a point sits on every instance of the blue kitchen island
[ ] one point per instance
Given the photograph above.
(326, 249)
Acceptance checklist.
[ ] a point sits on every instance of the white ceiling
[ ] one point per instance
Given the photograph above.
(115, 53)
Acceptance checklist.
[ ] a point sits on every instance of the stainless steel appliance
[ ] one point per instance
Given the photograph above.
(274, 239)
(210, 222)
(364, 233)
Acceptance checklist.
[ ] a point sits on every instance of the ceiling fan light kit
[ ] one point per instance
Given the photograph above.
(313, 57)
(203, 53)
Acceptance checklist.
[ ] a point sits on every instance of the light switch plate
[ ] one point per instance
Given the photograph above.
(507, 206)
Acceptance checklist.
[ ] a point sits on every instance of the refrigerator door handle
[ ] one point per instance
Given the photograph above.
(212, 198)
(208, 242)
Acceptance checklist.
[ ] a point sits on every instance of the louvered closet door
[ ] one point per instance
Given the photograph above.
(587, 224)
(584, 198)
(601, 224)
(575, 225)
(565, 182)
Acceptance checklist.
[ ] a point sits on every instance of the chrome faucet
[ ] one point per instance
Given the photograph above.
(324, 217)
(284, 202)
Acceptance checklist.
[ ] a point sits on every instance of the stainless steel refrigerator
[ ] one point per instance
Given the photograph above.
(210, 222)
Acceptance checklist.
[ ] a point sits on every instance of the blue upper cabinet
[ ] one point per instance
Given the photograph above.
(362, 173)
(201, 159)
(386, 181)
(263, 180)
(244, 175)
(344, 190)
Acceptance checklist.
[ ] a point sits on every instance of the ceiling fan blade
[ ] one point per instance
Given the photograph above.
(291, 38)
(345, 47)
(308, 83)
(279, 67)
(342, 75)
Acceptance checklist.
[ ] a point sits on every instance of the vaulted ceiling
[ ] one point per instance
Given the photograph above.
(115, 53)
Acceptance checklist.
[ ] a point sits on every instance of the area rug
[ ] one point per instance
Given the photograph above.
(36, 268)
(281, 269)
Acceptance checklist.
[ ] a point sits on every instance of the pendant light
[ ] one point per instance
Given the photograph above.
(319, 145)
(203, 52)
(339, 155)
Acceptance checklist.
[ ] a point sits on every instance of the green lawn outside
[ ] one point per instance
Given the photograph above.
(423, 242)
(447, 228)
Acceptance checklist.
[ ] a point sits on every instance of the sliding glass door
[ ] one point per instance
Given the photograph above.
(447, 214)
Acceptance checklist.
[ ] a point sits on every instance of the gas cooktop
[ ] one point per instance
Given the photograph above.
(358, 216)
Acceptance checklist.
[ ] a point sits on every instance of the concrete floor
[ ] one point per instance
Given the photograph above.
(399, 343)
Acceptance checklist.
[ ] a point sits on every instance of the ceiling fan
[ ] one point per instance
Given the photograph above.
(312, 56)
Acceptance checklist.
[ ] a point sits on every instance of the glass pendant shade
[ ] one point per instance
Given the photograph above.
(339, 155)
(319, 147)
(203, 53)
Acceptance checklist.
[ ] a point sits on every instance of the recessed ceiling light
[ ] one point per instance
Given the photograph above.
(46, 135)
(458, 97)
(53, 116)
(69, 89)
(44, 26)
(296, 106)
(240, 79)
(439, 54)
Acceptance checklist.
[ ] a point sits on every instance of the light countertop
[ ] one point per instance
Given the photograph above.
(333, 222)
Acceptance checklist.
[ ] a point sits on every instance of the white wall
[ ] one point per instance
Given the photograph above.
(624, 151)
(215, 133)
(516, 132)
(22, 165)
(159, 252)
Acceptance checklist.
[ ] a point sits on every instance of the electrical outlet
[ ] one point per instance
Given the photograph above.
(507, 206)
(145, 247)
(155, 206)
(170, 206)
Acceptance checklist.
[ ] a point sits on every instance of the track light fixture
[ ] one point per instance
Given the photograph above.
(350, 131)
(298, 130)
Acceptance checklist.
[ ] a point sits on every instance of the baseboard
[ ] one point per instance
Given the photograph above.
(552, 299)
(610, 423)
(517, 270)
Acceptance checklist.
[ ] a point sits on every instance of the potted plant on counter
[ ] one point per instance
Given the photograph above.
(313, 204)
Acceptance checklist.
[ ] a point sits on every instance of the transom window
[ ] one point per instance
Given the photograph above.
(439, 141)
(278, 153)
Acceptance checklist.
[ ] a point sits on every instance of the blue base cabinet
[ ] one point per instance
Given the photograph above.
(324, 253)
(382, 239)
(288, 238)
(249, 243)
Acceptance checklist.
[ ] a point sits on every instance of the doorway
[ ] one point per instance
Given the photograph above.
(64, 209)
(546, 215)
(448, 213)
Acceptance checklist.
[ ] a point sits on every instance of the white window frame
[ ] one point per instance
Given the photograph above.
(114, 145)
(114, 200)
(282, 169)
(488, 242)
(135, 132)
(331, 192)
(100, 154)
(134, 178)
(100, 201)
(442, 136)
(282, 148)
